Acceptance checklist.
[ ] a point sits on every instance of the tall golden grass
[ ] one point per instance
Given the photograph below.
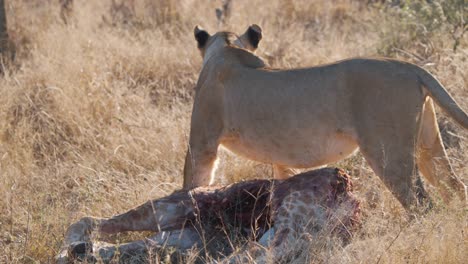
(94, 114)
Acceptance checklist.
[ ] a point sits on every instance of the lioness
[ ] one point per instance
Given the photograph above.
(310, 117)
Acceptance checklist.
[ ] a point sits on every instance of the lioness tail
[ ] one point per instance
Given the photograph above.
(441, 96)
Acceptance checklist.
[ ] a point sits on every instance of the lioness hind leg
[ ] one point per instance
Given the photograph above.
(396, 168)
(390, 152)
(432, 158)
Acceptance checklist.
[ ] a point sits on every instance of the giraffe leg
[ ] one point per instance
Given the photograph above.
(180, 239)
(161, 214)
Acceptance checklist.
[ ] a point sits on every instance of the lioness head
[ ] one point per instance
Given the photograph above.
(209, 43)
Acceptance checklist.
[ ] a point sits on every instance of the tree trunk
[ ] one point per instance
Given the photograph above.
(3, 29)
(66, 8)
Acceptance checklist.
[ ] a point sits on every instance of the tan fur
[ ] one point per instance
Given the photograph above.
(310, 117)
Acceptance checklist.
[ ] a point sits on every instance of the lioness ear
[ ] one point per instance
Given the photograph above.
(254, 33)
(201, 36)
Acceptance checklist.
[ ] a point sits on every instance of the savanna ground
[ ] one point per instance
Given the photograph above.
(94, 112)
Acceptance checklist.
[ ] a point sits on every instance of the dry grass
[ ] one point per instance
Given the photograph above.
(94, 115)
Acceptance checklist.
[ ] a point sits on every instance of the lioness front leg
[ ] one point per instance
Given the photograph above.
(201, 154)
(199, 167)
(281, 172)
